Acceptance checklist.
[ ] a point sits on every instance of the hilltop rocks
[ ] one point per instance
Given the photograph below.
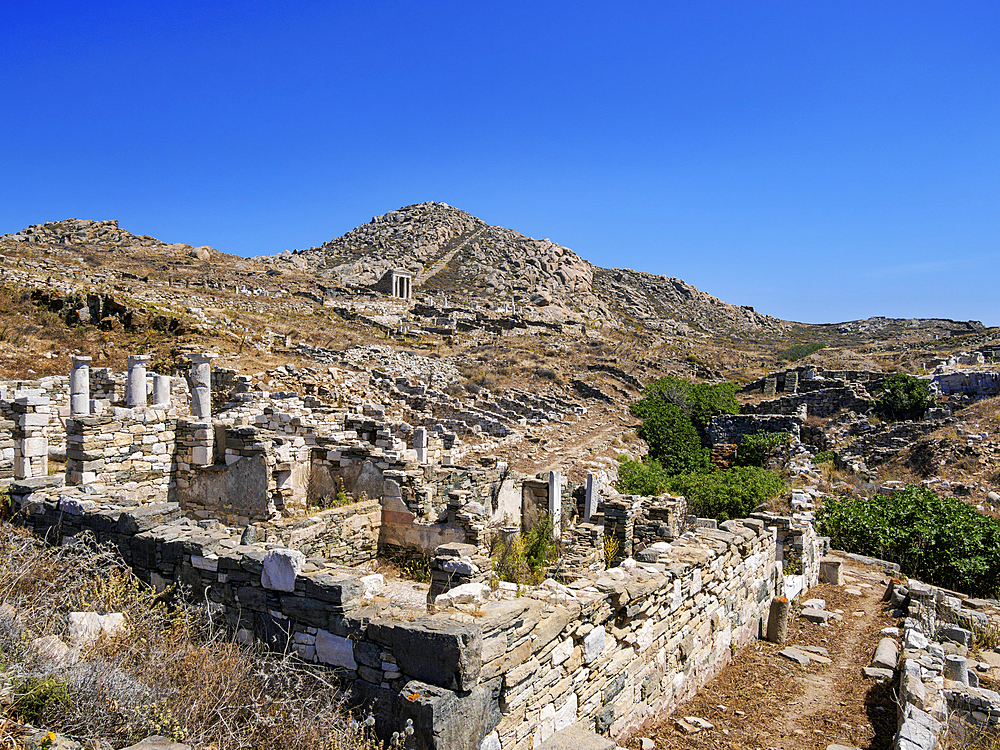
(80, 232)
(449, 251)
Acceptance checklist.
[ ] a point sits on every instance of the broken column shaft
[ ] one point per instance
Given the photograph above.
(79, 387)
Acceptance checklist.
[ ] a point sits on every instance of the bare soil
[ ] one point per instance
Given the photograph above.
(763, 701)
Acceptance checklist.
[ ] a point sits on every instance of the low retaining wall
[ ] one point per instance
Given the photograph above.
(730, 428)
(607, 651)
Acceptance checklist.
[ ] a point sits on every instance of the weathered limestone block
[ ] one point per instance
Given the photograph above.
(85, 627)
(593, 644)
(443, 653)
(831, 571)
(335, 650)
(280, 568)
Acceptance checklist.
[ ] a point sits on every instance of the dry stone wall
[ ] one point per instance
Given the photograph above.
(729, 429)
(133, 449)
(820, 403)
(939, 690)
(608, 650)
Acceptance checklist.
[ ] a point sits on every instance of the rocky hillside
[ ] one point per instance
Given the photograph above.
(100, 235)
(452, 252)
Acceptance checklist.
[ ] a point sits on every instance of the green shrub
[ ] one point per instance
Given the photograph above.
(699, 402)
(798, 351)
(824, 457)
(940, 540)
(902, 396)
(35, 694)
(540, 547)
(524, 560)
(754, 449)
(707, 400)
(646, 478)
(673, 440)
(724, 495)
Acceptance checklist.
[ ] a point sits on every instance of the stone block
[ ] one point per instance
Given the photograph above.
(335, 650)
(955, 634)
(76, 506)
(280, 568)
(444, 719)
(34, 447)
(593, 644)
(85, 627)
(831, 570)
(813, 615)
(341, 592)
(147, 517)
(442, 653)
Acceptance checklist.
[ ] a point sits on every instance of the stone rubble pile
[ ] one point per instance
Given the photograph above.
(939, 688)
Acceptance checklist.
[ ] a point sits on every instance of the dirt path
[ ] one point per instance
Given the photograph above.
(571, 447)
(764, 700)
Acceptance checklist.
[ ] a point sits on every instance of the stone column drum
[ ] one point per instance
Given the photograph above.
(79, 387)
(201, 385)
(137, 391)
(161, 390)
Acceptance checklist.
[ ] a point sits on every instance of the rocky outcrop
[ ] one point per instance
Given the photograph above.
(81, 232)
(448, 251)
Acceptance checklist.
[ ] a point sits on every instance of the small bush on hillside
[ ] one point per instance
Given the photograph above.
(754, 449)
(939, 540)
(724, 495)
(902, 396)
(798, 351)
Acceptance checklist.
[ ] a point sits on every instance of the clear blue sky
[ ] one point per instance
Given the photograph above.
(822, 161)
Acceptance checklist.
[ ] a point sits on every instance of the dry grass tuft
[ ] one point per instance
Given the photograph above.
(170, 671)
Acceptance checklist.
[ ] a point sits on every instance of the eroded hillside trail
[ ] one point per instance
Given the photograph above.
(765, 701)
(572, 447)
(446, 258)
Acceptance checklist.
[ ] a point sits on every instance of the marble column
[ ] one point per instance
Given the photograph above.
(201, 385)
(555, 502)
(79, 387)
(161, 390)
(137, 392)
(590, 505)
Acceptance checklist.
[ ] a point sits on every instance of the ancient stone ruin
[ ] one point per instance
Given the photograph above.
(272, 506)
(396, 283)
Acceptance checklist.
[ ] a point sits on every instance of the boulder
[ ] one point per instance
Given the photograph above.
(86, 627)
